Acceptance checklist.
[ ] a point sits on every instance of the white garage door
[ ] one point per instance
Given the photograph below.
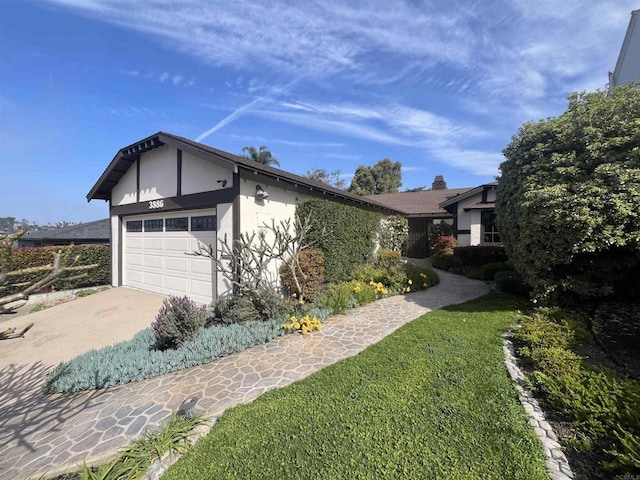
(155, 253)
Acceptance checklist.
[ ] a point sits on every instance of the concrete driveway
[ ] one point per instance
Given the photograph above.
(61, 332)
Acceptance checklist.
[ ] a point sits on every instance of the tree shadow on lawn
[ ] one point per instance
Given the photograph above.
(28, 414)
(489, 302)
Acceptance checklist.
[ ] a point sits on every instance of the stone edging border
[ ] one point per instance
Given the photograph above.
(554, 458)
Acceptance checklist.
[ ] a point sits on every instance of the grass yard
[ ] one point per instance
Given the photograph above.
(433, 400)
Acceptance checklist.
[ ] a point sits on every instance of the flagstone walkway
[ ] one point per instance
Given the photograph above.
(47, 434)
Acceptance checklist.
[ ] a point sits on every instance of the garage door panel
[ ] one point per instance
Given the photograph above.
(153, 261)
(154, 244)
(153, 279)
(202, 266)
(178, 285)
(158, 261)
(177, 264)
(177, 245)
(202, 288)
(134, 259)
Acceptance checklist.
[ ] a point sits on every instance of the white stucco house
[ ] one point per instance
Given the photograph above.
(167, 193)
(474, 219)
(628, 65)
(470, 211)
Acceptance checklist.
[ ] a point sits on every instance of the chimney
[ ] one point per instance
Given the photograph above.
(439, 183)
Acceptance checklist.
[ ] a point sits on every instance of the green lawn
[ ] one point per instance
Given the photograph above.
(432, 400)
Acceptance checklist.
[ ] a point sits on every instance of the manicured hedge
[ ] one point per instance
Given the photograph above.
(89, 254)
(344, 233)
(478, 255)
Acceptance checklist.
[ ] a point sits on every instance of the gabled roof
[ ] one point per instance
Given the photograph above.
(469, 193)
(97, 230)
(127, 156)
(422, 203)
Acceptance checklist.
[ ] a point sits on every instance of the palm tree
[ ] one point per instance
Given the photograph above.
(262, 155)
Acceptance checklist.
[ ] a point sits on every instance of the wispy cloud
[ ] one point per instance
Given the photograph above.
(501, 49)
(245, 108)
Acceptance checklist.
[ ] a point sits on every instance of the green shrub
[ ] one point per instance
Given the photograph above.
(364, 293)
(344, 233)
(478, 255)
(179, 320)
(236, 309)
(567, 200)
(88, 255)
(136, 359)
(511, 282)
(420, 277)
(387, 268)
(312, 262)
(269, 303)
(442, 256)
(338, 298)
(604, 406)
(435, 231)
(394, 232)
(487, 271)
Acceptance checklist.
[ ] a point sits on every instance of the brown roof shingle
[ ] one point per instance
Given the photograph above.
(423, 203)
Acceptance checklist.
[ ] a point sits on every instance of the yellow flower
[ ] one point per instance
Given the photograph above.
(410, 282)
(294, 295)
(423, 275)
(301, 302)
(408, 289)
(425, 285)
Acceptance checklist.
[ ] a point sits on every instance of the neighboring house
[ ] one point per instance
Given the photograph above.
(470, 212)
(82, 234)
(628, 65)
(422, 209)
(474, 220)
(167, 194)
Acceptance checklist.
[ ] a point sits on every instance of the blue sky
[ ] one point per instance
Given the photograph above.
(440, 86)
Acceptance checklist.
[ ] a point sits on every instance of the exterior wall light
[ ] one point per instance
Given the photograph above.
(260, 193)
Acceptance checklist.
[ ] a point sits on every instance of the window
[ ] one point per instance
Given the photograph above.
(154, 225)
(490, 232)
(134, 226)
(177, 224)
(206, 223)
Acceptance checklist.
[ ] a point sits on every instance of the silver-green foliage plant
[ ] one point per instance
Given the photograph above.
(179, 320)
(394, 231)
(568, 199)
(138, 358)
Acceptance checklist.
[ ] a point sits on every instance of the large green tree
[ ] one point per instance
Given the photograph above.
(261, 155)
(383, 177)
(568, 198)
(323, 176)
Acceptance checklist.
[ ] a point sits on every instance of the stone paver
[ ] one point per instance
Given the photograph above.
(46, 434)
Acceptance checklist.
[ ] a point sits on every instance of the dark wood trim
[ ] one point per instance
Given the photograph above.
(485, 191)
(462, 232)
(184, 202)
(138, 179)
(235, 215)
(179, 176)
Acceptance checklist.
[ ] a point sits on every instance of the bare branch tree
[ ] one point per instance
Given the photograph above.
(245, 262)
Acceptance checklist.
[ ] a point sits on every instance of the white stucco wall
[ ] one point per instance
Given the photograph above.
(125, 190)
(469, 220)
(628, 65)
(279, 205)
(158, 173)
(491, 195)
(200, 175)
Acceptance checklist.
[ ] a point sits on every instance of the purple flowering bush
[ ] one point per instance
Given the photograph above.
(179, 320)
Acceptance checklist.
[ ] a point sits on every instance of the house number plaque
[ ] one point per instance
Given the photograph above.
(155, 204)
